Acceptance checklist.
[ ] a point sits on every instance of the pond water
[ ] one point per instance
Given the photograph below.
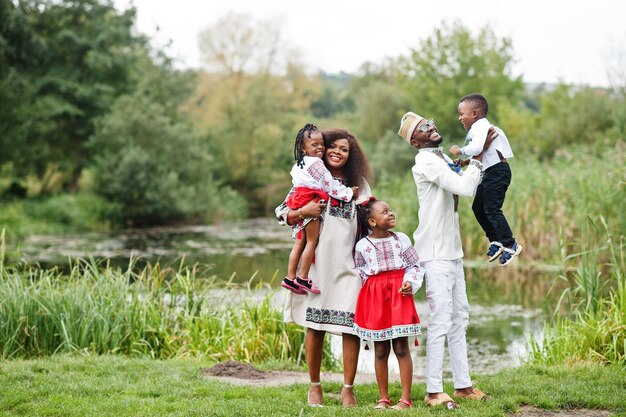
(508, 304)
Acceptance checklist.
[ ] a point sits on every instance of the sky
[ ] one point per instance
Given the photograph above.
(573, 41)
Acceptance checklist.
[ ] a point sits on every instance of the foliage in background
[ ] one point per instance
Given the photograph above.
(62, 65)
(139, 144)
(70, 69)
(453, 63)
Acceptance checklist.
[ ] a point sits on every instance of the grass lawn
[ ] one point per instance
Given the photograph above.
(120, 386)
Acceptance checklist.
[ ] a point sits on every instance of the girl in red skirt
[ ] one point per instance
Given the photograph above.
(385, 311)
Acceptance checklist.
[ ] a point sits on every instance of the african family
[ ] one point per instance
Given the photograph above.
(351, 274)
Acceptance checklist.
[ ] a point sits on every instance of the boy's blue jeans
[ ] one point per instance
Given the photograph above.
(488, 202)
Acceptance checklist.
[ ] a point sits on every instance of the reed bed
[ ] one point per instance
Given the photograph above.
(594, 327)
(154, 312)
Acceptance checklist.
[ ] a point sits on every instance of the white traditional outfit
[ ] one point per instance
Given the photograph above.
(438, 242)
(332, 271)
(382, 312)
(313, 181)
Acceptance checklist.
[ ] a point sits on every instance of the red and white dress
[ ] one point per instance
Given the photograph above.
(382, 312)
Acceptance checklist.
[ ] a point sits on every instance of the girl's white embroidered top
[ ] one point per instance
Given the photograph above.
(373, 256)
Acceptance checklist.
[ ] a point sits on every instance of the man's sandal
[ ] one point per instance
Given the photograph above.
(315, 404)
(442, 399)
(402, 404)
(476, 395)
(382, 404)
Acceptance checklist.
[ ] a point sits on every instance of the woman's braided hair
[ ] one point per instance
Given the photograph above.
(298, 148)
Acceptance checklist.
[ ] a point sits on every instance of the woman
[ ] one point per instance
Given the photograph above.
(333, 270)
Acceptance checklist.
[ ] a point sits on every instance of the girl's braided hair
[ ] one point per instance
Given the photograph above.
(298, 151)
(363, 213)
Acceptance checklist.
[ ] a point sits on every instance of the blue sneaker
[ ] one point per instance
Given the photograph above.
(509, 254)
(495, 249)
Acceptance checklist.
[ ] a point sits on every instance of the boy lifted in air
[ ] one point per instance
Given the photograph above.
(496, 179)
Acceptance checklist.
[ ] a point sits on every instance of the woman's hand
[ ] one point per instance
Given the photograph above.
(355, 192)
(313, 209)
(455, 150)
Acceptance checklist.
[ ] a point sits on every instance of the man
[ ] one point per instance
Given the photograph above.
(438, 244)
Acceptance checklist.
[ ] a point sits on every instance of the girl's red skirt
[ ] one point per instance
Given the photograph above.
(382, 313)
(303, 195)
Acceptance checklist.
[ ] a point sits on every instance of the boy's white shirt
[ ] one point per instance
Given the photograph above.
(302, 177)
(412, 273)
(439, 238)
(478, 135)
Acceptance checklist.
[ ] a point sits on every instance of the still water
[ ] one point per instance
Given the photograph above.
(508, 304)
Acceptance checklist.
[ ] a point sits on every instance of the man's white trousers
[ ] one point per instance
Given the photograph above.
(449, 316)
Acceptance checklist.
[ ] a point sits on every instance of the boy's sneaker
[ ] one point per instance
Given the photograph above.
(495, 249)
(509, 254)
(292, 286)
(307, 285)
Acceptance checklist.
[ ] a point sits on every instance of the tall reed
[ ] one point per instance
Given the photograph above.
(595, 327)
(156, 312)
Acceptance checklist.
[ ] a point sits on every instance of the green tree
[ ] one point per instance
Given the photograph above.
(453, 63)
(63, 64)
(571, 115)
(152, 166)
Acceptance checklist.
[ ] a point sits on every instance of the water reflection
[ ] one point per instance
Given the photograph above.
(508, 304)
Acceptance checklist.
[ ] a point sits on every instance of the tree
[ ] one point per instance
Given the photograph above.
(250, 102)
(152, 166)
(63, 65)
(451, 64)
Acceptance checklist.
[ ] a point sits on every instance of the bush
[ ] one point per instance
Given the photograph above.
(151, 165)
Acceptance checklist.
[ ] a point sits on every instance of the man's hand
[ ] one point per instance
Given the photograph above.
(491, 135)
(461, 162)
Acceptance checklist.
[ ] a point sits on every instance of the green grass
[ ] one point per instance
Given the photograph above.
(79, 385)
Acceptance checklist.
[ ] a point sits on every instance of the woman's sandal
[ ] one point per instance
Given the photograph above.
(402, 404)
(476, 395)
(442, 399)
(315, 404)
(348, 401)
(382, 404)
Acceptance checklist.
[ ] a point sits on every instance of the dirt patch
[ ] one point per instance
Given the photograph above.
(234, 369)
(527, 411)
(238, 373)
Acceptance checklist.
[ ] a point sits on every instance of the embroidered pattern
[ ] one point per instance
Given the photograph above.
(410, 257)
(327, 316)
(386, 334)
(386, 256)
(317, 170)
